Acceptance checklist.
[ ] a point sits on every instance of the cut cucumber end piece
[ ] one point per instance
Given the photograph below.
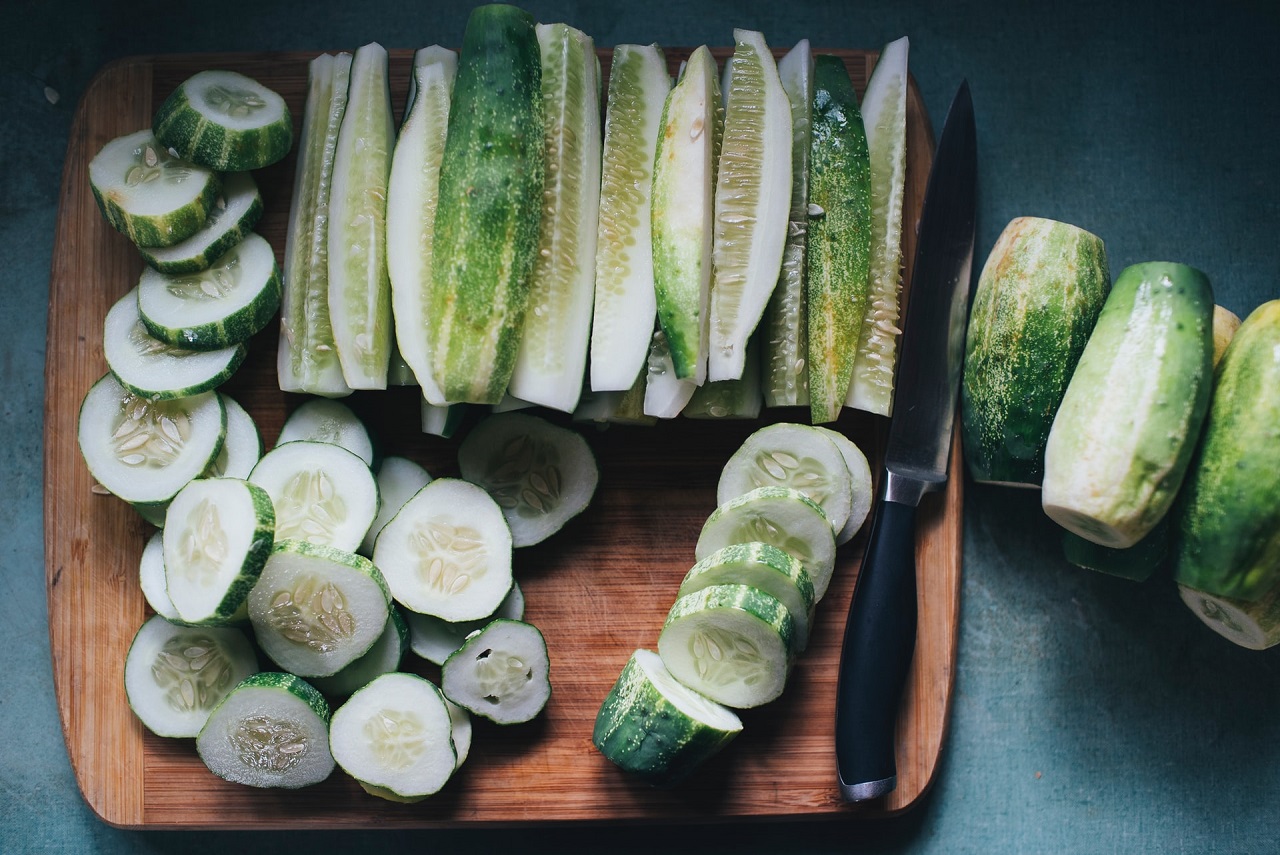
(233, 215)
(501, 673)
(383, 657)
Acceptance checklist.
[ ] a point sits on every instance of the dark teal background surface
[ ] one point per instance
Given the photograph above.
(1090, 714)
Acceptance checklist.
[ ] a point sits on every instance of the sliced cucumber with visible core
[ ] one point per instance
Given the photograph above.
(234, 214)
(152, 580)
(225, 121)
(1254, 625)
(323, 493)
(434, 639)
(324, 420)
(501, 673)
(398, 478)
(383, 657)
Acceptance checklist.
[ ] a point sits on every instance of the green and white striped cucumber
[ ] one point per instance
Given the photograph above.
(552, 357)
(1227, 529)
(155, 369)
(731, 643)
(860, 483)
(224, 305)
(785, 321)
(412, 196)
(624, 295)
(383, 657)
(1131, 415)
(307, 360)
(839, 239)
(242, 448)
(1252, 624)
(175, 675)
(761, 566)
(316, 609)
(359, 289)
(490, 210)
(441, 421)
(884, 116)
(272, 730)
(434, 639)
(398, 478)
(665, 394)
(1225, 324)
(148, 194)
(1033, 309)
(654, 727)
(323, 493)
(225, 121)
(753, 190)
(1137, 562)
(324, 420)
(501, 673)
(683, 215)
(730, 399)
(218, 533)
(233, 215)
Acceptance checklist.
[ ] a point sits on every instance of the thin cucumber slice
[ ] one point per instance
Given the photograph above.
(654, 727)
(753, 189)
(761, 566)
(442, 421)
(323, 493)
(731, 643)
(155, 369)
(398, 478)
(884, 114)
(272, 730)
(461, 731)
(624, 296)
(665, 394)
(730, 399)
(501, 673)
(860, 482)
(148, 194)
(781, 516)
(785, 322)
(224, 305)
(242, 448)
(307, 360)
(1254, 625)
(447, 552)
(434, 639)
(395, 734)
(324, 420)
(218, 533)
(174, 675)
(225, 121)
(383, 657)
(317, 609)
(552, 356)
(234, 214)
(152, 580)
(541, 475)
(359, 290)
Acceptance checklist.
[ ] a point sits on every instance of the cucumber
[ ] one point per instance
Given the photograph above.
(152, 581)
(272, 730)
(501, 673)
(1225, 324)
(219, 307)
(148, 194)
(552, 356)
(665, 394)
(441, 421)
(398, 479)
(242, 448)
(1138, 562)
(490, 209)
(234, 214)
(860, 482)
(730, 399)
(323, 493)
(1254, 625)
(324, 420)
(624, 295)
(226, 121)
(1227, 530)
(839, 237)
(434, 639)
(1131, 415)
(383, 657)
(655, 728)
(1035, 304)
(461, 733)
(174, 676)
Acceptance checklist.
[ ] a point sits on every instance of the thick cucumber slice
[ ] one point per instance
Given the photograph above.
(218, 533)
(152, 580)
(753, 187)
(174, 675)
(731, 643)
(434, 639)
(215, 308)
(540, 474)
(398, 478)
(233, 215)
(654, 727)
(225, 121)
(359, 290)
(271, 731)
(447, 552)
(552, 357)
(1251, 624)
(317, 609)
(383, 657)
(624, 298)
(442, 421)
(242, 448)
(860, 482)
(323, 493)
(306, 359)
(502, 673)
(155, 369)
(884, 116)
(148, 194)
(730, 399)
(665, 394)
(323, 420)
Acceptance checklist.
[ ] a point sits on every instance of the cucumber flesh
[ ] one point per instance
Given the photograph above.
(461, 731)
(242, 448)
(233, 215)
(860, 483)
(1254, 625)
(323, 493)
(323, 420)
(730, 399)
(398, 479)
(225, 121)
(665, 394)
(383, 657)
(434, 639)
(501, 673)
(441, 421)
(151, 579)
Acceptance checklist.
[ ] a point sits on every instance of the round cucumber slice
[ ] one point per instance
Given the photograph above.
(502, 673)
(462, 728)
(234, 214)
(434, 639)
(383, 657)
(324, 420)
(764, 567)
(323, 493)
(152, 580)
(243, 446)
(399, 478)
(225, 121)
(860, 482)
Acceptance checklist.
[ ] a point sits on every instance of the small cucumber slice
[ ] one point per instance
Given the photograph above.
(434, 639)
(324, 420)
(323, 493)
(224, 305)
(665, 394)
(860, 481)
(383, 657)
(242, 448)
(398, 478)
(461, 731)
(225, 121)
(234, 214)
(272, 730)
(1254, 625)
(152, 580)
(148, 194)
(174, 676)
(501, 673)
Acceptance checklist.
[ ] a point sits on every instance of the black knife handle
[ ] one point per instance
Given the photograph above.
(879, 641)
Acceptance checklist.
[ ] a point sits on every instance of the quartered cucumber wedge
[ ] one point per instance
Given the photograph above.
(323, 493)
(501, 673)
(233, 215)
(225, 121)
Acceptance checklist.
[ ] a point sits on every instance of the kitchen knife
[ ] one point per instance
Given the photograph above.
(880, 635)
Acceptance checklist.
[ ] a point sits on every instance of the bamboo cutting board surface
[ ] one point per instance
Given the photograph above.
(598, 589)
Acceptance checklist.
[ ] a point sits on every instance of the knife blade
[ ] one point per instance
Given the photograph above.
(880, 632)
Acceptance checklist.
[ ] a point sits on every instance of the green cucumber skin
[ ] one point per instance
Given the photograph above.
(294, 685)
(1131, 415)
(179, 125)
(236, 328)
(490, 206)
(215, 249)
(1138, 562)
(163, 230)
(1037, 299)
(1227, 539)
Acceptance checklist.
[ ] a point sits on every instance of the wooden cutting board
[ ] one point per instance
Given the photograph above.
(599, 589)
